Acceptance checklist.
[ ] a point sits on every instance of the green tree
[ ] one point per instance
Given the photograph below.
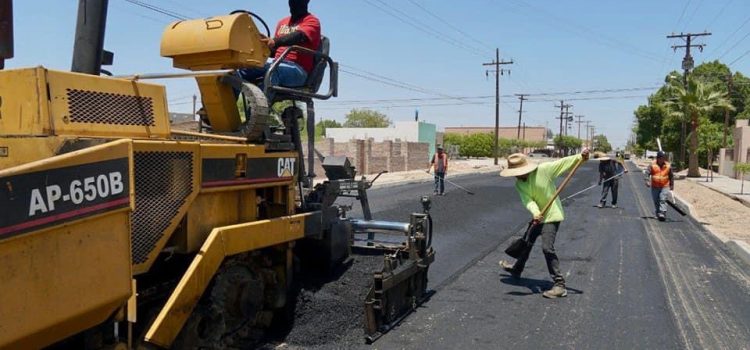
(366, 118)
(567, 143)
(709, 140)
(602, 144)
(742, 168)
(478, 145)
(688, 104)
(321, 126)
(653, 121)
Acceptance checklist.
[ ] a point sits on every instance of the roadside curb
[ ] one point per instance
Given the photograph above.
(740, 248)
(744, 202)
(684, 203)
(429, 178)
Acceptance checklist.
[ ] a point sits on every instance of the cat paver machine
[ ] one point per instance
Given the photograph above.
(118, 232)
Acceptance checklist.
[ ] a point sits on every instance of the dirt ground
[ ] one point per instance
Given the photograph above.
(720, 214)
(723, 216)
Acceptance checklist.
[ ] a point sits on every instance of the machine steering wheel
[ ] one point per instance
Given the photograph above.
(268, 31)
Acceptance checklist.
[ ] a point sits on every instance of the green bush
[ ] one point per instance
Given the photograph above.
(482, 145)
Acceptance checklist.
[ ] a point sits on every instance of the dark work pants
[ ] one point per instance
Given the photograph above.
(548, 231)
(610, 185)
(439, 182)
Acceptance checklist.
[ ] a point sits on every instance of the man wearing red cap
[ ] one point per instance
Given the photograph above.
(301, 28)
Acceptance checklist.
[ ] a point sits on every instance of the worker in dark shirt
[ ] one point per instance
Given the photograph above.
(301, 28)
(608, 170)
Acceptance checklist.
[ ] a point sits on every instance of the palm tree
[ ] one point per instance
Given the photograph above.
(688, 104)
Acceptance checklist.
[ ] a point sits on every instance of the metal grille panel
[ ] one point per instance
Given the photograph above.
(163, 181)
(108, 108)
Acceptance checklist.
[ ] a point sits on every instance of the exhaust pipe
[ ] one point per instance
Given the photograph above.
(6, 31)
(88, 48)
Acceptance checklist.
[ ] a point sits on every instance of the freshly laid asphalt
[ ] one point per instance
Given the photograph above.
(633, 282)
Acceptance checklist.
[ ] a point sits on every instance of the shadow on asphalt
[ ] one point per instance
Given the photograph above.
(668, 220)
(535, 286)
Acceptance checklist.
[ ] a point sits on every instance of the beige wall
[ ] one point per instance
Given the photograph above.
(533, 133)
(370, 157)
(740, 153)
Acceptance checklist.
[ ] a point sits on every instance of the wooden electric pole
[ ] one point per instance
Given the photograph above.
(498, 72)
(579, 122)
(521, 98)
(687, 65)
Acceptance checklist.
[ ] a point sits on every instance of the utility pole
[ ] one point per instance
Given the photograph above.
(567, 117)
(593, 136)
(521, 98)
(687, 65)
(587, 133)
(579, 122)
(726, 111)
(524, 131)
(498, 72)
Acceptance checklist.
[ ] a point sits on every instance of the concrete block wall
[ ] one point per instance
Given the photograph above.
(370, 157)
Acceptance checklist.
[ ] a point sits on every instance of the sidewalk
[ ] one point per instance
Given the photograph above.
(455, 168)
(727, 186)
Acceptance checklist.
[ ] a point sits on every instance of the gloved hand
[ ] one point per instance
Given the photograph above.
(600, 182)
(536, 220)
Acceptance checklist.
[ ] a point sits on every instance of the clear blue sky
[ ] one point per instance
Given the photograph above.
(557, 46)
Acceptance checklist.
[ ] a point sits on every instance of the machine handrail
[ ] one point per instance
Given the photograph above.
(332, 76)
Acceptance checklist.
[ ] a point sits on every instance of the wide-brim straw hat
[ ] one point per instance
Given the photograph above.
(518, 165)
(601, 156)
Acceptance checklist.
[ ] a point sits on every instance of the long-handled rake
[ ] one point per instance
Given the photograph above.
(454, 184)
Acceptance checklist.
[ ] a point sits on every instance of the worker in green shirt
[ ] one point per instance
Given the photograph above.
(536, 185)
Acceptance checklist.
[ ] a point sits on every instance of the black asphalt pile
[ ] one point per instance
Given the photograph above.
(329, 310)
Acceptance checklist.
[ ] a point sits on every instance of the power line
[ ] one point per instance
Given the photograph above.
(158, 9)
(719, 13)
(459, 30)
(735, 45)
(415, 23)
(477, 97)
(739, 58)
(422, 105)
(732, 35)
(589, 33)
(393, 82)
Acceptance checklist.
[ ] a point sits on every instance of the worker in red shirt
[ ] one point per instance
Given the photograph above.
(302, 28)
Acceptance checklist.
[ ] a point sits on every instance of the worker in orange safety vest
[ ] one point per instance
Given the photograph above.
(660, 178)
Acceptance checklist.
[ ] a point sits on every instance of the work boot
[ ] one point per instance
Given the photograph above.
(558, 291)
(509, 268)
(661, 217)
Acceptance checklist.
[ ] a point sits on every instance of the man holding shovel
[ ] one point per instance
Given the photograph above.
(536, 186)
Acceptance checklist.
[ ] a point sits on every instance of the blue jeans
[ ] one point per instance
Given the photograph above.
(659, 196)
(288, 74)
(439, 182)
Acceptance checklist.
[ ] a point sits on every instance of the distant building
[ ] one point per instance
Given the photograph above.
(529, 133)
(411, 131)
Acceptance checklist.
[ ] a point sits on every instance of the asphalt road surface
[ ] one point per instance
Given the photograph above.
(633, 282)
